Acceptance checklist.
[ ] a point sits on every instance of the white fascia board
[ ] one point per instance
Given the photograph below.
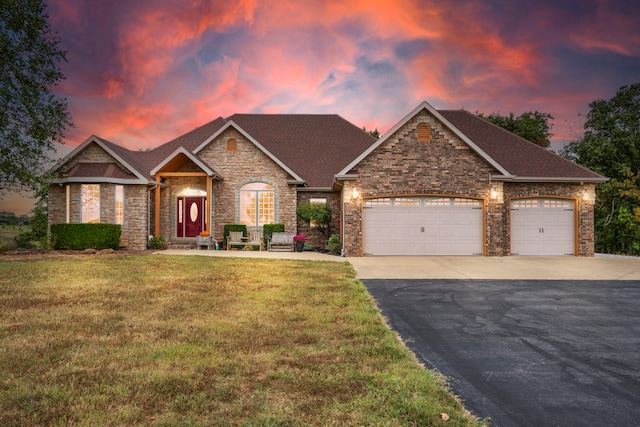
(100, 180)
(426, 106)
(546, 179)
(195, 159)
(254, 141)
(347, 177)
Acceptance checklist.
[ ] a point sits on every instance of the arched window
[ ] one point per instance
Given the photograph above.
(424, 133)
(257, 204)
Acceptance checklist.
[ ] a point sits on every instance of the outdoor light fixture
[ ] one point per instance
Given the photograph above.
(494, 193)
(585, 195)
(354, 193)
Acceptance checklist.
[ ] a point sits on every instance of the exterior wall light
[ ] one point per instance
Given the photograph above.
(354, 193)
(494, 193)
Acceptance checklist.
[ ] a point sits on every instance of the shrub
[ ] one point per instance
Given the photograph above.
(157, 243)
(84, 236)
(24, 240)
(333, 244)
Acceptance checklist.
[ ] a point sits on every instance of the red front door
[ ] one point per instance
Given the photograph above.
(190, 217)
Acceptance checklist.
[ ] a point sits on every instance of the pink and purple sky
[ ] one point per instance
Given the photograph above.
(141, 72)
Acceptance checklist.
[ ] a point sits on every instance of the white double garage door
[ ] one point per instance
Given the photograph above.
(455, 226)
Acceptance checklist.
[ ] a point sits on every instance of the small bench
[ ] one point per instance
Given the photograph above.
(281, 242)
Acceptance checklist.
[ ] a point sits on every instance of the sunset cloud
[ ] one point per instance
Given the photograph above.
(141, 73)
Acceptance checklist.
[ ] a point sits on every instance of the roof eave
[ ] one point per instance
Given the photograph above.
(100, 180)
(548, 179)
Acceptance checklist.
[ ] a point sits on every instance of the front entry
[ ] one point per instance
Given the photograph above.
(189, 216)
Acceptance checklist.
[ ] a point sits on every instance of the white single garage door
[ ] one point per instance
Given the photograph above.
(542, 227)
(422, 226)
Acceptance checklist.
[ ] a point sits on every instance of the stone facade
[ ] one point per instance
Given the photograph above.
(446, 165)
(241, 164)
(135, 215)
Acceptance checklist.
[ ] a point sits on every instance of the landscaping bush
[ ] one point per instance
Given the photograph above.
(85, 236)
(24, 240)
(157, 243)
(333, 244)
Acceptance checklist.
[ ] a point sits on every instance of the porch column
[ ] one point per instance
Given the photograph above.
(156, 231)
(207, 208)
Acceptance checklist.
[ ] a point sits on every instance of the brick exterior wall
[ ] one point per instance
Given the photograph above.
(134, 226)
(314, 237)
(446, 165)
(238, 167)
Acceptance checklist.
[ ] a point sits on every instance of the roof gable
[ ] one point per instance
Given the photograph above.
(514, 158)
(182, 153)
(121, 155)
(313, 146)
(254, 142)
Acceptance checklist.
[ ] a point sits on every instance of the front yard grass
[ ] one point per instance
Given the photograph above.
(169, 340)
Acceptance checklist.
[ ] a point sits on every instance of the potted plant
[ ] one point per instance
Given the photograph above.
(299, 241)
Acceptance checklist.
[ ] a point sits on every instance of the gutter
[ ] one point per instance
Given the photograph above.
(546, 179)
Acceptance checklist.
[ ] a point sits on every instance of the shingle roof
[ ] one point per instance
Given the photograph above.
(518, 156)
(188, 141)
(108, 170)
(315, 146)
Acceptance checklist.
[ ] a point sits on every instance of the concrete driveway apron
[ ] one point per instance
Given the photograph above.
(520, 348)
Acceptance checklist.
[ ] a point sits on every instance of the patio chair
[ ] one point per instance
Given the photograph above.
(235, 238)
(255, 239)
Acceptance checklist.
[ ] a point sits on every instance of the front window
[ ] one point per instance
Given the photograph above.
(119, 204)
(257, 204)
(90, 203)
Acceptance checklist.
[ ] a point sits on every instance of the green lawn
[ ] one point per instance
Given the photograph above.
(174, 341)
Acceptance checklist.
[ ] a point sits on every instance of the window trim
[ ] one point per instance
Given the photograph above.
(257, 199)
(117, 214)
(98, 189)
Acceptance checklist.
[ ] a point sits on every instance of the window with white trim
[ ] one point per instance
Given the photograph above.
(90, 203)
(119, 196)
(257, 204)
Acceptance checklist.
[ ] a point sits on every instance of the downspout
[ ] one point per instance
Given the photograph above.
(149, 212)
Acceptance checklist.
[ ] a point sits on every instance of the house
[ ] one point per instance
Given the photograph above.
(437, 183)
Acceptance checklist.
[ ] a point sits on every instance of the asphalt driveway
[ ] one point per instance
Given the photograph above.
(524, 341)
(526, 352)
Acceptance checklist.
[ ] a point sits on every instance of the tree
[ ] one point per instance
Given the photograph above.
(317, 215)
(611, 147)
(32, 118)
(532, 126)
(373, 133)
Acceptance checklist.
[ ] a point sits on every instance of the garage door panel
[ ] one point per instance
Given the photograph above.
(428, 229)
(543, 227)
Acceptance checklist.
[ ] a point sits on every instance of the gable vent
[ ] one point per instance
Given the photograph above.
(424, 133)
